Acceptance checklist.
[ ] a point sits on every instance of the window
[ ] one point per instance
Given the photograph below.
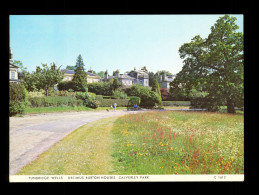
(12, 74)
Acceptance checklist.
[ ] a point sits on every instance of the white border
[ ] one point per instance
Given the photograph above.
(125, 178)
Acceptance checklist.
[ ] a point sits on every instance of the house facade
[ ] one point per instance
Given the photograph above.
(124, 79)
(13, 69)
(166, 80)
(91, 78)
(141, 77)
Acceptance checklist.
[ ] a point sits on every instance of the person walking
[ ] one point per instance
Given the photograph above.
(115, 105)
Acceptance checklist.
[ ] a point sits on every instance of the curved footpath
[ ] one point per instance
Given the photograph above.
(33, 134)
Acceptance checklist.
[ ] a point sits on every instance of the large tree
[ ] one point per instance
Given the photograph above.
(156, 87)
(47, 77)
(215, 65)
(80, 77)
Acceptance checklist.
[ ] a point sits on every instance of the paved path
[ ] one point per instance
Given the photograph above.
(33, 134)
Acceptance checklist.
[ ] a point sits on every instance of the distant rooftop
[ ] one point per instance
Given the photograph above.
(73, 72)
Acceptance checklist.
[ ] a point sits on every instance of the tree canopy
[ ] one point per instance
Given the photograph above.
(42, 78)
(80, 77)
(214, 65)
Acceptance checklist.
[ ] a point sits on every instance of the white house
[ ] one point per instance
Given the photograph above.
(13, 69)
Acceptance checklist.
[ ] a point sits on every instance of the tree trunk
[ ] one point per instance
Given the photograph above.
(230, 106)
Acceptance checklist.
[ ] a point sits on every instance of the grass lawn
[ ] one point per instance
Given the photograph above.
(86, 151)
(168, 142)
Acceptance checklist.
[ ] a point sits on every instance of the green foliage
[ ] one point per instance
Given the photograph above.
(88, 98)
(66, 85)
(148, 98)
(80, 77)
(115, 84)
(70, 67)
(56, 101)
(205, 102)
(101, 74)
(100, 88)
(155, 87)
(134, 100)
(18, 99)
(48, 77)
(118, 94)
(98, 97)
(95, 104)
(44, 78)
(62, 93)
(214, 65)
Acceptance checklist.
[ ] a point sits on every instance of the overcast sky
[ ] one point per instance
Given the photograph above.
(107, 41)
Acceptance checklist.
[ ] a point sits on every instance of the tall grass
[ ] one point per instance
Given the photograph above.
(179, 143)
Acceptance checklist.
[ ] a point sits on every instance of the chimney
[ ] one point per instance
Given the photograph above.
(10, 56)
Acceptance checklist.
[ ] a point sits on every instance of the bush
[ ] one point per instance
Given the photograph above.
(94, 104)
(39, 93)
(118, 94)
(88, 98)
(18, 98)
(66, 85)
(148, 98)
(134, 100)
(99, 97)
(100, 88)
(164, 94)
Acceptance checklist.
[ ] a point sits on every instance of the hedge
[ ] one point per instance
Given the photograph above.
(176, 103)
(49, 101)
(18, 98)
(212, 104)
(109, 102)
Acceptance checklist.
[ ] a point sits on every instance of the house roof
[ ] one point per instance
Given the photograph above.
(125, 76)
(73, 72)
(69, 71)
(12, 66)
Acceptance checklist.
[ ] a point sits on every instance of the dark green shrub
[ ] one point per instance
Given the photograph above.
(94, 104)
(100, 88)
(98, 97)
(88, 99)
(134, 100)
(18, 98)
(66, 85)
(118, 94)
(148, 98)
(109, 102)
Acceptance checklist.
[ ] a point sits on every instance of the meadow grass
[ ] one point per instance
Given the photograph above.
(179, 143)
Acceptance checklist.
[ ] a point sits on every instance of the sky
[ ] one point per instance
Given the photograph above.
(107, 42)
